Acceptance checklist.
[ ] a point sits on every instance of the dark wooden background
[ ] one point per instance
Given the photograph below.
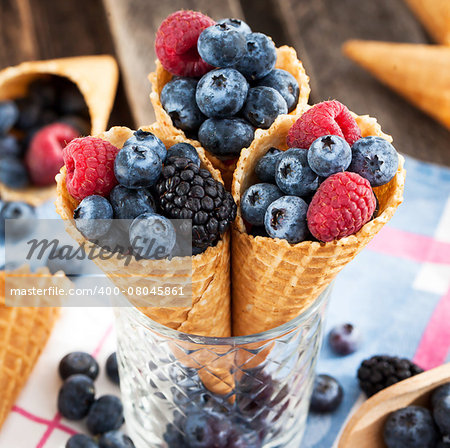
(39, 29)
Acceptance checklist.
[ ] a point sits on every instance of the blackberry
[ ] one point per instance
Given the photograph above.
(189, 192)
(381, 371)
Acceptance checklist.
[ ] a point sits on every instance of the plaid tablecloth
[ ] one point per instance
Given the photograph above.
(397, 292)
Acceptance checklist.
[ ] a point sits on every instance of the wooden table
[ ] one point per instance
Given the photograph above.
(39, 29)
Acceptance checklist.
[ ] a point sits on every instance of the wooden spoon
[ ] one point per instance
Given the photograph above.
(365, 428)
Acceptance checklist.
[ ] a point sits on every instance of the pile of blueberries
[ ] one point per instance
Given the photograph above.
(419, 426)
(76, 401)
(53, 107)
(244, 92)
(277, 206)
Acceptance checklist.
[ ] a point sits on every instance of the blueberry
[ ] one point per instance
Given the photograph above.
(344, 339)
(29, 114)
(9, 114)
(112, 369)
(441, 413)
(152, 236)
(327, 394)
(173, 437)
(259, 58)
(82, 125)
(13, 173)
(221, 45)
(256, 200)
(129, 203)
(10, 147)
(81, 441)
(375, 159)
(78, 362)
(60, 260)
(226, 137)
(265, 168)
(137, 166)
(106, 414)
(328, 155)
(410, 427)
(178, 100)
(263, 105)
(199, 430)
(238, 24)
(285, 84)
(76, 397)
(151, 141)
(221, 93)
(93, 216)
(24, 216)
(285, 218)
(293, 174)
(115, 439)
(184, 150)
(440, 393)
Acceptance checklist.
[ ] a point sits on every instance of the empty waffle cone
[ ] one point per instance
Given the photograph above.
(435, 15)
(24, 331)
(95, 76)
(209, 313)
(420, 73)
(274, 281)
(286, 60)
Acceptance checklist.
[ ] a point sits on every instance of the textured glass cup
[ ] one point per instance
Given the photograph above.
(250, 391)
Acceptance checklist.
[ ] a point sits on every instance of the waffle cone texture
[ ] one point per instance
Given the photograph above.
(209, 313)
(274, 281)
(24, 332)
(286, 60)
(95, 76)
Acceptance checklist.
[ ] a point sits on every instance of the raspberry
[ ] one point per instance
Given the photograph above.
(90, 167)
(45, 154)
(327, 118)
(341, 206)
(176, 43)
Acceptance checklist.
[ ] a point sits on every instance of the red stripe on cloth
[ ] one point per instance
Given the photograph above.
(56, 422)
(417, 247)
(434, 346)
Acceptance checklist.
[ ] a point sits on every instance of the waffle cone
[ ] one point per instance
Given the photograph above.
(274, 281)
(95, 76)
(420, 73)
(24, 331)
(435, 15)
(209, 313)
(286, 60)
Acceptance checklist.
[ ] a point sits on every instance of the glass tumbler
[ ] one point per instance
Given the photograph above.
(181, 390)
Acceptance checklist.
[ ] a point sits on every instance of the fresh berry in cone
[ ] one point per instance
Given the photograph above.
(13, 173)
(293, 174)
(341, 206)
(45, 154)
(221, 93)
(237, 24)
(97, 177)
(176, 43)
(327, 118)
(382, 371)
(285, 218)
(221, 45)
(9, 114)
(148, 140)
(329, 155)
(285, 84)
(265, 168)
(263, 105)
(226, 137)
(375, 159)
(93, 216)
(178, 100)
(256, 200)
